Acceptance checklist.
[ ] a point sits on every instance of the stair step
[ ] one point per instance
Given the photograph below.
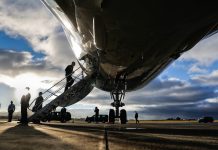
(74, 94)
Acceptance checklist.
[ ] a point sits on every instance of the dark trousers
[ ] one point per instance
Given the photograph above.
(10, 115)
(70, 81)
(63, 116)
(96, 118)
(136, 120)
(37, 107)
(24, 114)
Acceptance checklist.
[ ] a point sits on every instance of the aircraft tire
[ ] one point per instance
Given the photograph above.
(111, 118)
(123, 116)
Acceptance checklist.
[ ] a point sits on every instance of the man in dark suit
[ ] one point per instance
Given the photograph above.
(68, 75)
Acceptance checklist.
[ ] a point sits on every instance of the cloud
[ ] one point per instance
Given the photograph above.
(196, 69)
(31, 20)
(184, 111)
(15, 63)
(27, 18)
(208, 79)
(204, 53)
(179, 95)
(212, 100)
(19, 69)
(7, 94)
(162, 99)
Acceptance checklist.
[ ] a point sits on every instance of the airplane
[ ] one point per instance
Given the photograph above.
(122, 45)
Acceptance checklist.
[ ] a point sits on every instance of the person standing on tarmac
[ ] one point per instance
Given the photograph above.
(68, 75)
(11, 109)
(63, 115)
(96, 114)
(24, 105)
(136, 118)
(38, 103)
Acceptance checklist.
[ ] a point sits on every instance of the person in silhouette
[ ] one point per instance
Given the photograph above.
(63, 115)
(38, 103)
(136, 118)
(24, 105)
(11, 109)
(68, 75)
(96, 114)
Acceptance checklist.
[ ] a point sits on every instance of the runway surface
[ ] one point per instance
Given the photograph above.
(83, 136)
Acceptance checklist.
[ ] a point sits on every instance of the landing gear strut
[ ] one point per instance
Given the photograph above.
(117, 95)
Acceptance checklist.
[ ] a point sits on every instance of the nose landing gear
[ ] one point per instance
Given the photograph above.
(117, 95)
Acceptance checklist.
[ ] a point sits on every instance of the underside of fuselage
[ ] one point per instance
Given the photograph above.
(135, 39)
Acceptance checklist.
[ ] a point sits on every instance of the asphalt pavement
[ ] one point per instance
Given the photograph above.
(90, 136)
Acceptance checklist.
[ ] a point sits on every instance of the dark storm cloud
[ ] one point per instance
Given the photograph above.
(178, 95)
(168, 92)
(166, 98)
(187, 101)
(211, 79)
(138, 97)
(11, 58)
(13, 63)
(184, 111)
(141, 96)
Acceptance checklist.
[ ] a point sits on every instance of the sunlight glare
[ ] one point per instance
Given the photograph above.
(27, 80)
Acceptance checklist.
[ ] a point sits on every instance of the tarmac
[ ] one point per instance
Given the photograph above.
(90, 136)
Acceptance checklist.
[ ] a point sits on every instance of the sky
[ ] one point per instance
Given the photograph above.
(34, 52)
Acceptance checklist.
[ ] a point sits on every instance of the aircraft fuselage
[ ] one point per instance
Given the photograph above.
(135, 39)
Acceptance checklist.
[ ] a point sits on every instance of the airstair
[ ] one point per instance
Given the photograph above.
(54, 96)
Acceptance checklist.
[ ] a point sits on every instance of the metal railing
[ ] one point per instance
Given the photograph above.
(51, 93)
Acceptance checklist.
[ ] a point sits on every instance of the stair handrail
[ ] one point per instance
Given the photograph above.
(52, 93)
(62, 87)
(54, 86)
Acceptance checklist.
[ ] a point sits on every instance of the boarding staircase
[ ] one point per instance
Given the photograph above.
(54, 96)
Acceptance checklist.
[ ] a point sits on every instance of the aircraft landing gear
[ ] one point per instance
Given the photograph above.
(123, 116)
(117, 96)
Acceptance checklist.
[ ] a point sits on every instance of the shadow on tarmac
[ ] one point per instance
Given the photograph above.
(21, 137)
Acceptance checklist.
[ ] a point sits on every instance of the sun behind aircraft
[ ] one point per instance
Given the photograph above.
(123, 44)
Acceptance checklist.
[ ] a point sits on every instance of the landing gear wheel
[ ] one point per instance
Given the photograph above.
(111, 116)
(123, 116)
